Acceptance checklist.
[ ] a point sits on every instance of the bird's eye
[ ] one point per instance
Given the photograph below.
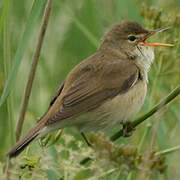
(132, 38)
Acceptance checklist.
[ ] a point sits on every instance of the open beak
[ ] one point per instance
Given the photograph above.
(152, 33)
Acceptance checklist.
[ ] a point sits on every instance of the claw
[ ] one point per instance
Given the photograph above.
(127, 129)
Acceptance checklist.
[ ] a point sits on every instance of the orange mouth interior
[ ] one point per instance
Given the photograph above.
(156, 44)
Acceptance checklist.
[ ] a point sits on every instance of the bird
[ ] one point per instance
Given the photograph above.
(104, 90)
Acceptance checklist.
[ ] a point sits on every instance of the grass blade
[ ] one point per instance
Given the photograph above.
(169, 150)
(85, 30)
(35, 12)
(3, 16)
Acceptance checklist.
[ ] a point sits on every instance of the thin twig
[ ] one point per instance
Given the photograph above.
(138, 121)
(33, 69)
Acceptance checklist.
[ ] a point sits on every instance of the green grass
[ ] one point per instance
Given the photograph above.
(35, 12)
(5, 5)
(74, 33)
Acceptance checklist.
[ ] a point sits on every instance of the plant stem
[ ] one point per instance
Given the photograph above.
(7, 67)
(143, 139)
(141, 119)
(2, 18)
(157, 107)
(33, 68)
(129, 177)
(169, 150)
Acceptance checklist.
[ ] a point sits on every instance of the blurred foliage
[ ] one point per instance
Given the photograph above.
(73, 33)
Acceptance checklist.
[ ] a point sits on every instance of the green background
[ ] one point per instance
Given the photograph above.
(74, 31)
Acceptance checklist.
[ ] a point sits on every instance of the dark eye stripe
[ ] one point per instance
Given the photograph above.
(132, 38)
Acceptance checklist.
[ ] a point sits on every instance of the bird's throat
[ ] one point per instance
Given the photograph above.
(145, 57)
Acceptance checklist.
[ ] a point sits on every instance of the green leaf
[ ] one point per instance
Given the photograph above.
(3, 16)
(52, 175)
(84, 174)
(35, 12)
(83, 29)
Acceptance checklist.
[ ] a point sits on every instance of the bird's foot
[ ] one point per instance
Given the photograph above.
(127, 129)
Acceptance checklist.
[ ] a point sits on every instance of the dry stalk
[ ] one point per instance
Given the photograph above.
(33, 69)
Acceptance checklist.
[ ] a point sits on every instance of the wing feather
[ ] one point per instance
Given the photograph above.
(92, 88)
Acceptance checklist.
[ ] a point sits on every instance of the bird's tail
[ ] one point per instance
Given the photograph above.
(25, 141)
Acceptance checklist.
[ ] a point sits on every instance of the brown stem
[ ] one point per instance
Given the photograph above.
(33, 69)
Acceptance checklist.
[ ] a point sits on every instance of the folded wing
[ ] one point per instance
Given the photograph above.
(94, 85)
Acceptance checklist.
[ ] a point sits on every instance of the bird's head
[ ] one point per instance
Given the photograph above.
(130, 37)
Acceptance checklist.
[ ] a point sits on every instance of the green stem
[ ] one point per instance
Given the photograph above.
(167, 151)
(143, 139)
(7, 68)
(129, 177)
(2, 18)
(108, 173)
(155, 84)
(141, 119)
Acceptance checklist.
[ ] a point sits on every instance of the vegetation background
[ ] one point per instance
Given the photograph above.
(74, 32)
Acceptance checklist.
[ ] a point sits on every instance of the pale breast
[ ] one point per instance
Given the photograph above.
(120, 109)
(125, 106)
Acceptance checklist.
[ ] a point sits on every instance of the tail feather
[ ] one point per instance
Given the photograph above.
(24, 142)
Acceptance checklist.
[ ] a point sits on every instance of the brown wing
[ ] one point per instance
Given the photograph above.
(91, 88)
(57, 93)
(53, 99)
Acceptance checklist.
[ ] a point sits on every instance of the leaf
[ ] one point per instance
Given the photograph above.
(35, 12)
(3, 16)
(52, 175)
(85, 30)
(84, 174)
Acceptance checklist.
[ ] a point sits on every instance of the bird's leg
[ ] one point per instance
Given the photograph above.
(85, 138)
(127, 129)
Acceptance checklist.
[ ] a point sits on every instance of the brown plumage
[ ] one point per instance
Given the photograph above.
(105, 89)
(83, 95)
